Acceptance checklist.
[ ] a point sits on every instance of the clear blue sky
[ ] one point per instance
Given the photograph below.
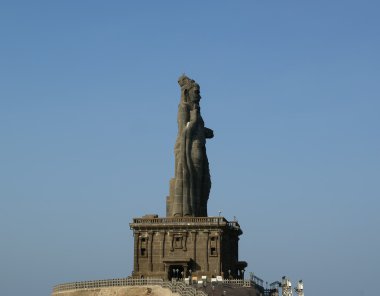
(88, 102)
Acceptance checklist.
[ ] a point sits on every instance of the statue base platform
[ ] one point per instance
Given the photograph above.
(178, 247)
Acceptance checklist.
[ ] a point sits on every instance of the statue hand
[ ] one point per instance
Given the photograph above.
(209, 133)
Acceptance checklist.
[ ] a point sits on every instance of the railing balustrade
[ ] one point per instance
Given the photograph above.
(176, 287)
(182, 220)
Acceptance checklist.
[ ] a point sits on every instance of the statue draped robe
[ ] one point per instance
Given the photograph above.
(191, 185)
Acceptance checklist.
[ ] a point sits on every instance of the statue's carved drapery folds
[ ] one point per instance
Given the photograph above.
(190, 188)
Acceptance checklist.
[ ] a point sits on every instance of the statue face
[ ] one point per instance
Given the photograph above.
(195, 94)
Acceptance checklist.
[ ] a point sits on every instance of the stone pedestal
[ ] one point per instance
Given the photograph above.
(177, 247)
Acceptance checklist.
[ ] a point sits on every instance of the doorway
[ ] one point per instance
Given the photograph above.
(176, 272)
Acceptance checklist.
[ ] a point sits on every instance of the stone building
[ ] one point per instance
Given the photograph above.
(186, 246)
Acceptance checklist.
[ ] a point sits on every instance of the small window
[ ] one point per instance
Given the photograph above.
(178, 242)
(213, 246)
(143, 252)
(213, 252)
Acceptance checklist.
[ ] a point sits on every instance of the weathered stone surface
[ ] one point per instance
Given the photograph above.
(186, 246)
(190, 188)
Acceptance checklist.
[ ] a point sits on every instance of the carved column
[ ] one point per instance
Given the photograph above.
(207, 233)
(136, 246)
(194, 238)
(151, 250)
(220, 236)
(162, 253)
(185, 234)
(171, 240)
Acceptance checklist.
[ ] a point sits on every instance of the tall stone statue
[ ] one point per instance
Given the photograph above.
(190, 188)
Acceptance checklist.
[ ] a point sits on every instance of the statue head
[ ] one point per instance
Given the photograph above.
(190, 89)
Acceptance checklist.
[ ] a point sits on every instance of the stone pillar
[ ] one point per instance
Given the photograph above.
(184, 236)
(171, 241)
(207, 233)
(136, 247)
(162, 251)
(194, 238)
(220, 237)
(151, 250)
(185, 268)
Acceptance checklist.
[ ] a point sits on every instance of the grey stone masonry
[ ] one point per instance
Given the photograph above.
(186, 246)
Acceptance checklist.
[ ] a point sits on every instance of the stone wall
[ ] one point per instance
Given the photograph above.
(179, 247)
